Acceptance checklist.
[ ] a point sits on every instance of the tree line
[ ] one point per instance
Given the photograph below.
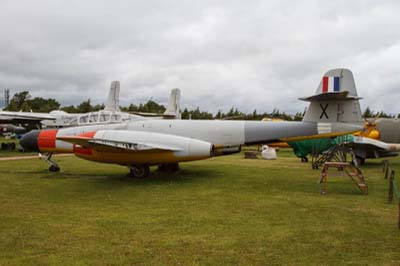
(22, 101)
(368, 113)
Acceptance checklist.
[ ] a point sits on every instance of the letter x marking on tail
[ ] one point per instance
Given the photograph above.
(324, 111)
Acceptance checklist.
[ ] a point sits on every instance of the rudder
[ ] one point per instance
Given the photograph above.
(173, 109)
(112, 103)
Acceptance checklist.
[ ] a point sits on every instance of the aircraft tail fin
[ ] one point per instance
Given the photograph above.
(336, 99)
(112, 103)
(174, 109)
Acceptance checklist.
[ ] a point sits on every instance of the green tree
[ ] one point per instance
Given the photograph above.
(219, 115)
(368, 113)
(84, 107)
(185, 114)
(97, 107)
(151, 107)
(18, 102)
(69, 109)
(40, 104)
(298, 116)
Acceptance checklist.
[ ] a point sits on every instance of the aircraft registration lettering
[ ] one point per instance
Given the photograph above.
(324, 111)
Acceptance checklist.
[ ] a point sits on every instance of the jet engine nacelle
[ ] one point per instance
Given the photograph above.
(225, 150)
(136, 147)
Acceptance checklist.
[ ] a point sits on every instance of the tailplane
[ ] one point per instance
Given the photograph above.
(336, 99)
(112, 103)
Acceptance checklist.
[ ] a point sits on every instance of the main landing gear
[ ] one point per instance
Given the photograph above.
(139, 171)
(143, 171)
(168, 167)
(53, 165)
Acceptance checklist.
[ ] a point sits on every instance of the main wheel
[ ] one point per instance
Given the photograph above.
(139, 171)
(304, 159)
(54, 168)
(360, 160)
(168, 167)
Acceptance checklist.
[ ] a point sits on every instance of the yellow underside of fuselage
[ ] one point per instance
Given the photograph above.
(138, 158)
(279, 145)
(55, 150)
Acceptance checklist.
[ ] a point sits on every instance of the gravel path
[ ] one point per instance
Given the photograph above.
(29, 157)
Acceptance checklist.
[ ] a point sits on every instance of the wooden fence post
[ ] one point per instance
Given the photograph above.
(385, 165)
(387, 172)
(391, 180)
(399, 214)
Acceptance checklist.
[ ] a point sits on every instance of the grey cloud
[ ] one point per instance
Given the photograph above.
(258, 55)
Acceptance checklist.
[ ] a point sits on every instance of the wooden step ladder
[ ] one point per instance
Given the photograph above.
(338, 153)
(349, 170)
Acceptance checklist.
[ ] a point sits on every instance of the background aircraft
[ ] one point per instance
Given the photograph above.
(140, 144)
(11, 129)
(380, 138)
(24, 117)
(110, 114)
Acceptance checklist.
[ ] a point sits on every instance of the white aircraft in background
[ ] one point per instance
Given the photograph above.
(110, 115)
(7, 117)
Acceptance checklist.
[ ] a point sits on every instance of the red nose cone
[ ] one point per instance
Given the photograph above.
(47, 139)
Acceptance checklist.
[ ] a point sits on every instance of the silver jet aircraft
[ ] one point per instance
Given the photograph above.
(332, 111)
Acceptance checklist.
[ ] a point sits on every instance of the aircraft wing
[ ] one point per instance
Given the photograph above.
(23, 117)
(148, 114)
(156, 115)
(107, 144)
(358, 141)
(371, 148)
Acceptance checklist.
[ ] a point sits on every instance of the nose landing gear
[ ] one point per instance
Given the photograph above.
(53, 165)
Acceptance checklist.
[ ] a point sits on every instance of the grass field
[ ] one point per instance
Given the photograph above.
(222, 211)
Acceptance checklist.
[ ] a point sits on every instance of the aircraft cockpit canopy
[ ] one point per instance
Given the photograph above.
(101, 117)
(83, 119)
(93, 118)
(104, 117)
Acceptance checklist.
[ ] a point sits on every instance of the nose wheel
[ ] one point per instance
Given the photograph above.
(139, 171)
(54, 168)
(53, 165)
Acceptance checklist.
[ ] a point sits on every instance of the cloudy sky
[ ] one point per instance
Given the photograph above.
(249, 54)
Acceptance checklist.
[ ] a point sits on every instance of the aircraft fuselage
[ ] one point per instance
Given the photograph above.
(224, 137)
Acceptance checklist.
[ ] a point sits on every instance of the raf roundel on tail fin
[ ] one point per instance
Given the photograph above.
(336, 81)
(330, 84)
